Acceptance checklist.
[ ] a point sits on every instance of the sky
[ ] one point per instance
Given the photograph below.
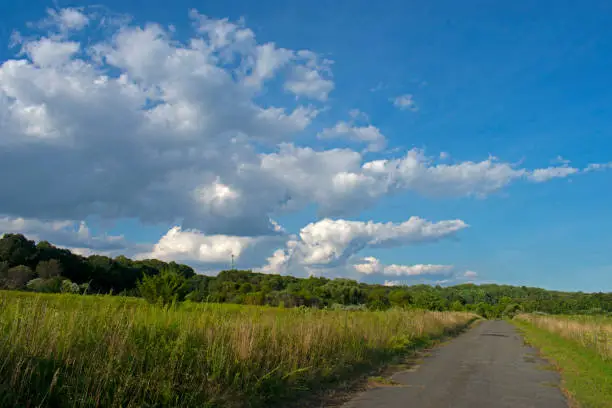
(393, 142)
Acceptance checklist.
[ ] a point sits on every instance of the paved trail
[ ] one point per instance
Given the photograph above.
(488, 366)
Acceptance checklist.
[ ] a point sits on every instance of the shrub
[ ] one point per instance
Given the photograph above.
(164, 288)
(18, 276)
(69, 287)
(53, 285)
(49, 269)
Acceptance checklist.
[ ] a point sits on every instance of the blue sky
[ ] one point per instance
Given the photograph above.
(525, 82)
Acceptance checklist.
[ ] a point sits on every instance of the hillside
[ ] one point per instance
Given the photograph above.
(42, 267)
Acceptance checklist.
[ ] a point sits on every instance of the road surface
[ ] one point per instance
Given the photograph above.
(488, 366)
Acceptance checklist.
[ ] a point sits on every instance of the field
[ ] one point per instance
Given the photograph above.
(581, 349)
(592, 332)
(87, 351)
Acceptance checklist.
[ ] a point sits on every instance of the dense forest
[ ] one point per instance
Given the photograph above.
(42, 267)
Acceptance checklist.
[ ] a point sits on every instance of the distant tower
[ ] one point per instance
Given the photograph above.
(233, 266)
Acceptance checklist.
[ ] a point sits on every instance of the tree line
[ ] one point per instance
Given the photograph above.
(42, 267)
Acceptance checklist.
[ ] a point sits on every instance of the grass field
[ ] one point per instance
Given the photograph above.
(593, 332)
(88, 351)
(579, 346)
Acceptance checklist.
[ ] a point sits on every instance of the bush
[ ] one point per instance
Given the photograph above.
(164, 288)
(18, 276)
(53, 285)
(49, 269)
(70, 287)
(511, 310)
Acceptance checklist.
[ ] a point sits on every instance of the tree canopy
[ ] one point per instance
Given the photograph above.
(43, 267)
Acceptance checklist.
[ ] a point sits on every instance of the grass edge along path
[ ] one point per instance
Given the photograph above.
(586, 378)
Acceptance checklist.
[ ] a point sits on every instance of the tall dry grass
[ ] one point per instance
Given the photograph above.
(90, 351)
(593, 332)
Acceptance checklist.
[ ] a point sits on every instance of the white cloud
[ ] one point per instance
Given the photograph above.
(191, 245)
(268, 59)
(371, 265)
(366, 134)
(311, 80)
(326, 241)
(541, 175)
(130, 122)
(331, 243)
(67, 19)
(552, 172)
(420, 173)
(63, 233)
(47, 52)
(339, 181)
(470, 274)
(405, 102)
(598, 166)
(310, 83)
(146, 127)
(211, 253)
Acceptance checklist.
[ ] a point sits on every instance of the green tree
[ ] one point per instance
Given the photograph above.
(166, 287)
(4, 267)
(49, 269)
(511, 310)
(18, 276)
(456, 306)
(17, 250)
(400, 297)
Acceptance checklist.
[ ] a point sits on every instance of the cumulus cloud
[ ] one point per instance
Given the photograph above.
(65, 233)
(66, 19)
(470, 274)
(135, 123)
(190, 245)
(552, 172)
(331, 243)
(368, 134)
(405, 102)
(370, 265)
(47, 52)
(142, 125)
(421, 173)
(339, 181)
(541, 175)
(311, 80)
(211, 253)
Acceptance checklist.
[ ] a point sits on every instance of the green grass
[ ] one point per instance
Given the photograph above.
(102, 351)
(587, 377)
(593, 332)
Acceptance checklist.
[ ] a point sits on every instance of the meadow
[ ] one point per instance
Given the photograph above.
(592, 332)
(102, 351)
(580, 348)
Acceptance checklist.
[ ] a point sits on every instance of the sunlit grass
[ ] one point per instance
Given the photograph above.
(593, 332)
(575, 345)
(86, 351)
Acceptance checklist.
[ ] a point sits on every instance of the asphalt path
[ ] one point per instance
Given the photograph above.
(487, 366)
